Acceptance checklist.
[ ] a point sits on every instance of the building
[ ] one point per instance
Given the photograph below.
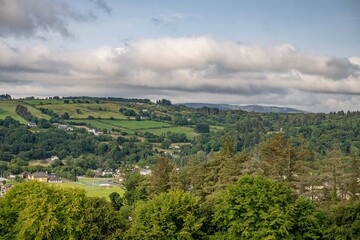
(39, 176)
(65, 127)
(54, 179)
(31, 124)
(95, 132)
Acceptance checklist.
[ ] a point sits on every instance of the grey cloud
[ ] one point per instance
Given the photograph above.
(35, 60)
(168, 20)
(102, 4)
(10, 81)
(158, 21)
(207, 88)
(36, 18)
(340, 68)
(189, 67)
(170, 53)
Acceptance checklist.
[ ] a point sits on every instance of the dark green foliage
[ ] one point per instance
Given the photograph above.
(65, 116)
(202, 128)
(5, 97)
(257, 208)
(343, 221)
(33, 210)
(160, 176)
(136, 187)
(116, 200)
(128, 112)
(163, 102)
(23, 112)
(172, 215)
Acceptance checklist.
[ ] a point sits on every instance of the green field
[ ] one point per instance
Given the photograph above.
(7, 108)
(137, 125)
(190, 134)
(216, 128)
(92, 188)
(83, 110)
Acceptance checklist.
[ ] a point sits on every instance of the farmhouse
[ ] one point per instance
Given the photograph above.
(52, 159)
(39, 176)
(31, 124)
(54, 179)
(24, 175)
(95, 132)
(65, 127)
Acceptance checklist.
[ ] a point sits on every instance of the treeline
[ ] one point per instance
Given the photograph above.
(252, 208)
(23, 112)
(113, 99)
(320, 131)
(5, 97)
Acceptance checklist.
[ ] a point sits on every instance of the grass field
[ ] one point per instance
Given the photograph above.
(216, 128)
(190, 134)
(92, 188)
(137, 125)
(7, 108)
(83, 110)
(100, 124)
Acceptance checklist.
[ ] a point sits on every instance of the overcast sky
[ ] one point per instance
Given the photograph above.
(296, 53)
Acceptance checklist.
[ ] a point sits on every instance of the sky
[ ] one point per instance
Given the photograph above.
(295, 53)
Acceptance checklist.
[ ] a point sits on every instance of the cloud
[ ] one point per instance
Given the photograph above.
(102, 4)
(169, 20)
(38, 18)
(196, 68)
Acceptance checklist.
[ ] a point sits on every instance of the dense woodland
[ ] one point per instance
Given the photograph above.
(260, 176)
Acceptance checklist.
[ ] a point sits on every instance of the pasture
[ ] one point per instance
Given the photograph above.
(92, 188)
(83, 110)
(137, 125)
(7, 108)
(190, 134)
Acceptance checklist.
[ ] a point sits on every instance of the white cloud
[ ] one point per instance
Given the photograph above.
(39, 18)
(194, 68)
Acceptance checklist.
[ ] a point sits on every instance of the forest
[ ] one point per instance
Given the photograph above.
(241, 175)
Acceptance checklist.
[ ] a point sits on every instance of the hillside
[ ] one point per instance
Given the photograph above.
(153, 150)
(247, 108)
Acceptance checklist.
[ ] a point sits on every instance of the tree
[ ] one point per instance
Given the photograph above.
(333, 175)
(5, 97)
(165, 144)
(202, 128)
(58, 212)
(33, 210)
(172, 215)
(258, 208)
(101, 220)
(354, 173)
(116, 200)
(279, 158)
(160, 176)
(136, 187)
(65, 116)
(343, 221)
(163, 102)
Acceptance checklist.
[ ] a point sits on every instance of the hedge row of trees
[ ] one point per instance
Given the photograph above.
(252, 208)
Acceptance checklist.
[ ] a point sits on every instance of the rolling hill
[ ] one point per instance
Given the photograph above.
(247, 108)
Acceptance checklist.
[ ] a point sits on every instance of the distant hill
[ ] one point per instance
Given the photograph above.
(248, 108)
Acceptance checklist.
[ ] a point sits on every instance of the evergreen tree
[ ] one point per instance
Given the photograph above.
(160, 176)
